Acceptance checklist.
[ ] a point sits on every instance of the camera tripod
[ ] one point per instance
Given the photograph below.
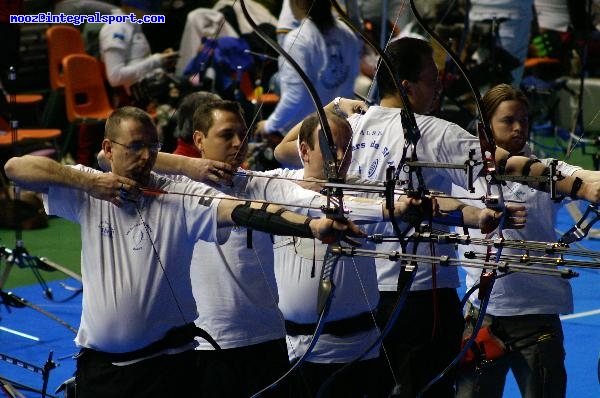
(20, 257)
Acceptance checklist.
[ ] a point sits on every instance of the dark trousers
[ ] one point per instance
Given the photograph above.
(424, 340)
(241, 372)
(356, 381)
(535, 356)
(160, 377)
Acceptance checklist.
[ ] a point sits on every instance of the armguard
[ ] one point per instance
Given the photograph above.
(452, 218)
(527, 166)
(575, 188)
(542, 186)
(272, 223)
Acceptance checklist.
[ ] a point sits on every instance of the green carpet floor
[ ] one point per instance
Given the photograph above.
(60, 242)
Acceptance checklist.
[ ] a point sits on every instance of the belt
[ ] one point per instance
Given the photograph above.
(175, 337)
(341, 327)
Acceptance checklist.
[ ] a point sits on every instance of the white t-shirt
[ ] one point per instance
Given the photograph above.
(553, 14)
(377, 143)
(127, 256)
(488, 9)
(330, 61)
(522, 293)
(126, 53)
(234, 285)
(298, 265)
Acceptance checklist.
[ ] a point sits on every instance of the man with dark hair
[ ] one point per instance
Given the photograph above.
(233, 282)
(184, 130)
(136, 333)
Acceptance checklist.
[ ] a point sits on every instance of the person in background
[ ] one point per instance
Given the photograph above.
(327, 51)
(286, 22)
(514, 19)
(125, 50)
(184, 131)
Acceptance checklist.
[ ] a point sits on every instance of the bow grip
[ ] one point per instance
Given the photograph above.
(415, 215)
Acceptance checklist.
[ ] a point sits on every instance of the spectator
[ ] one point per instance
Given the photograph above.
(327, 51)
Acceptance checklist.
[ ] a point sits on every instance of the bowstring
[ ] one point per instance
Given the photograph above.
(157, 256)
(372, 313)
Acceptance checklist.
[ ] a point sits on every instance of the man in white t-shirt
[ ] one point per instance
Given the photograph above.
(136, 333)
(351, 327)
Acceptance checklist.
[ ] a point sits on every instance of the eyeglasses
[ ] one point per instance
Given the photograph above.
(138, 146)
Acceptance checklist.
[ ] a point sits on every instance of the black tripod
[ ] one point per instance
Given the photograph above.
(20, 257)
(9, 387)
(578, 129)
(22, 211)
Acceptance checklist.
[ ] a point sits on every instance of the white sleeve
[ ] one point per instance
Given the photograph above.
(119, 73)
(295, 102)
(566, 169)
(66, 202)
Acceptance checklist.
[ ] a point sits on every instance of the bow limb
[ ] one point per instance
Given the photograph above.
(412, 135)
(331, 171)
(305, 79)
(486, 138)
(488, 155)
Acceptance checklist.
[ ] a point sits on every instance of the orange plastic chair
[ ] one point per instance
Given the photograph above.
(62, 40)
(27, 135)
(86, 98)
(247, 87)
(28, 101)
